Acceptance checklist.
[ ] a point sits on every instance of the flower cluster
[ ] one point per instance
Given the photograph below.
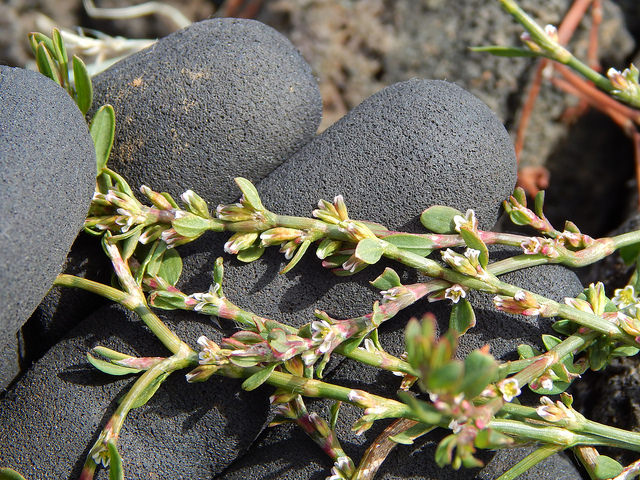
(522, 303)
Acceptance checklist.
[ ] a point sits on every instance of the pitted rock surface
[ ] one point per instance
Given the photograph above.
(48, 164)
(219, 99)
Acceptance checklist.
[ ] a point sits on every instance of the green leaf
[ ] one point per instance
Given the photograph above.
(527, 351)
(130, 243)
(110, 354)
(61, 54)
(473, 240)
(82, 84)
(258, 378)
(297, 257)
(387, 280)
(250, 254)
(369, 250)
(489, 438)
(445, 377)
(166, 300)
(607, 467)
(411, 243)
(10, 474)
(462, 317)
(170, 266)
(45, 63)
(439, 219)
(334, 410)
(424, 411)
(102, 129)
(115, 462)
(565, 327)
(110, 368)
(327, 247)
(250, 193)
(480, 369)
(150, 390)
(519, 218)
(36, 38)
(520, 196)
(550, 341)
(629, 253)
(409, 435)
(190, 225)
(501, 51)
(625, 351)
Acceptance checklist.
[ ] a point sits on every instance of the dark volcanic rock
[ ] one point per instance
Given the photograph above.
(50, 418)
(48, 164)
(219, 99)
(410, 146)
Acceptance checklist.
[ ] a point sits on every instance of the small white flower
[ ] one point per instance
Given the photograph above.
(357, 396)
(531, 246)
(624, 297)
(547, 383)
(455, 426)
(510, 388)
(469, 220)
(455, 293)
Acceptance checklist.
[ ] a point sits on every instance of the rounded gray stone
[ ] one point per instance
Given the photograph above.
(412, 145)
(48, 175)
(219, 99)
(51, 416)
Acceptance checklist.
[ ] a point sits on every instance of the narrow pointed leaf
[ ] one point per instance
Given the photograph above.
(369, 250)
(45, 63)
(501, 51)
(35, 38)
(408, 436)
(82, 83)
(110, 354)
(297, 257)
(258, 378)
(102, 129)
(439, 219)
(411, 243)
(250, 193)
(110, 368)
(334, 410)
(61, 54)
(115, 462)
(151, 389)
(327, 247)
(539, 204)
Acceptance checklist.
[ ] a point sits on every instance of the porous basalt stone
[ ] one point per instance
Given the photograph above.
(218, 99)
(48, 170)
(412, 145)
(51, 416)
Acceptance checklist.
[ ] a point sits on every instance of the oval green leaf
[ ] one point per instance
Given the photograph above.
(45, 63)
(258, 378)
(607, 467)
(369, 250)
(82, 83)
(473, 240)
(439, 219)
(102, 129)
(462, 317)
(250, 254)
(110, 368)
(251, 195)
(416, 244)
(170, 266)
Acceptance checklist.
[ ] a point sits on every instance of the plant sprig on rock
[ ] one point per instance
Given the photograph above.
(474, 397)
